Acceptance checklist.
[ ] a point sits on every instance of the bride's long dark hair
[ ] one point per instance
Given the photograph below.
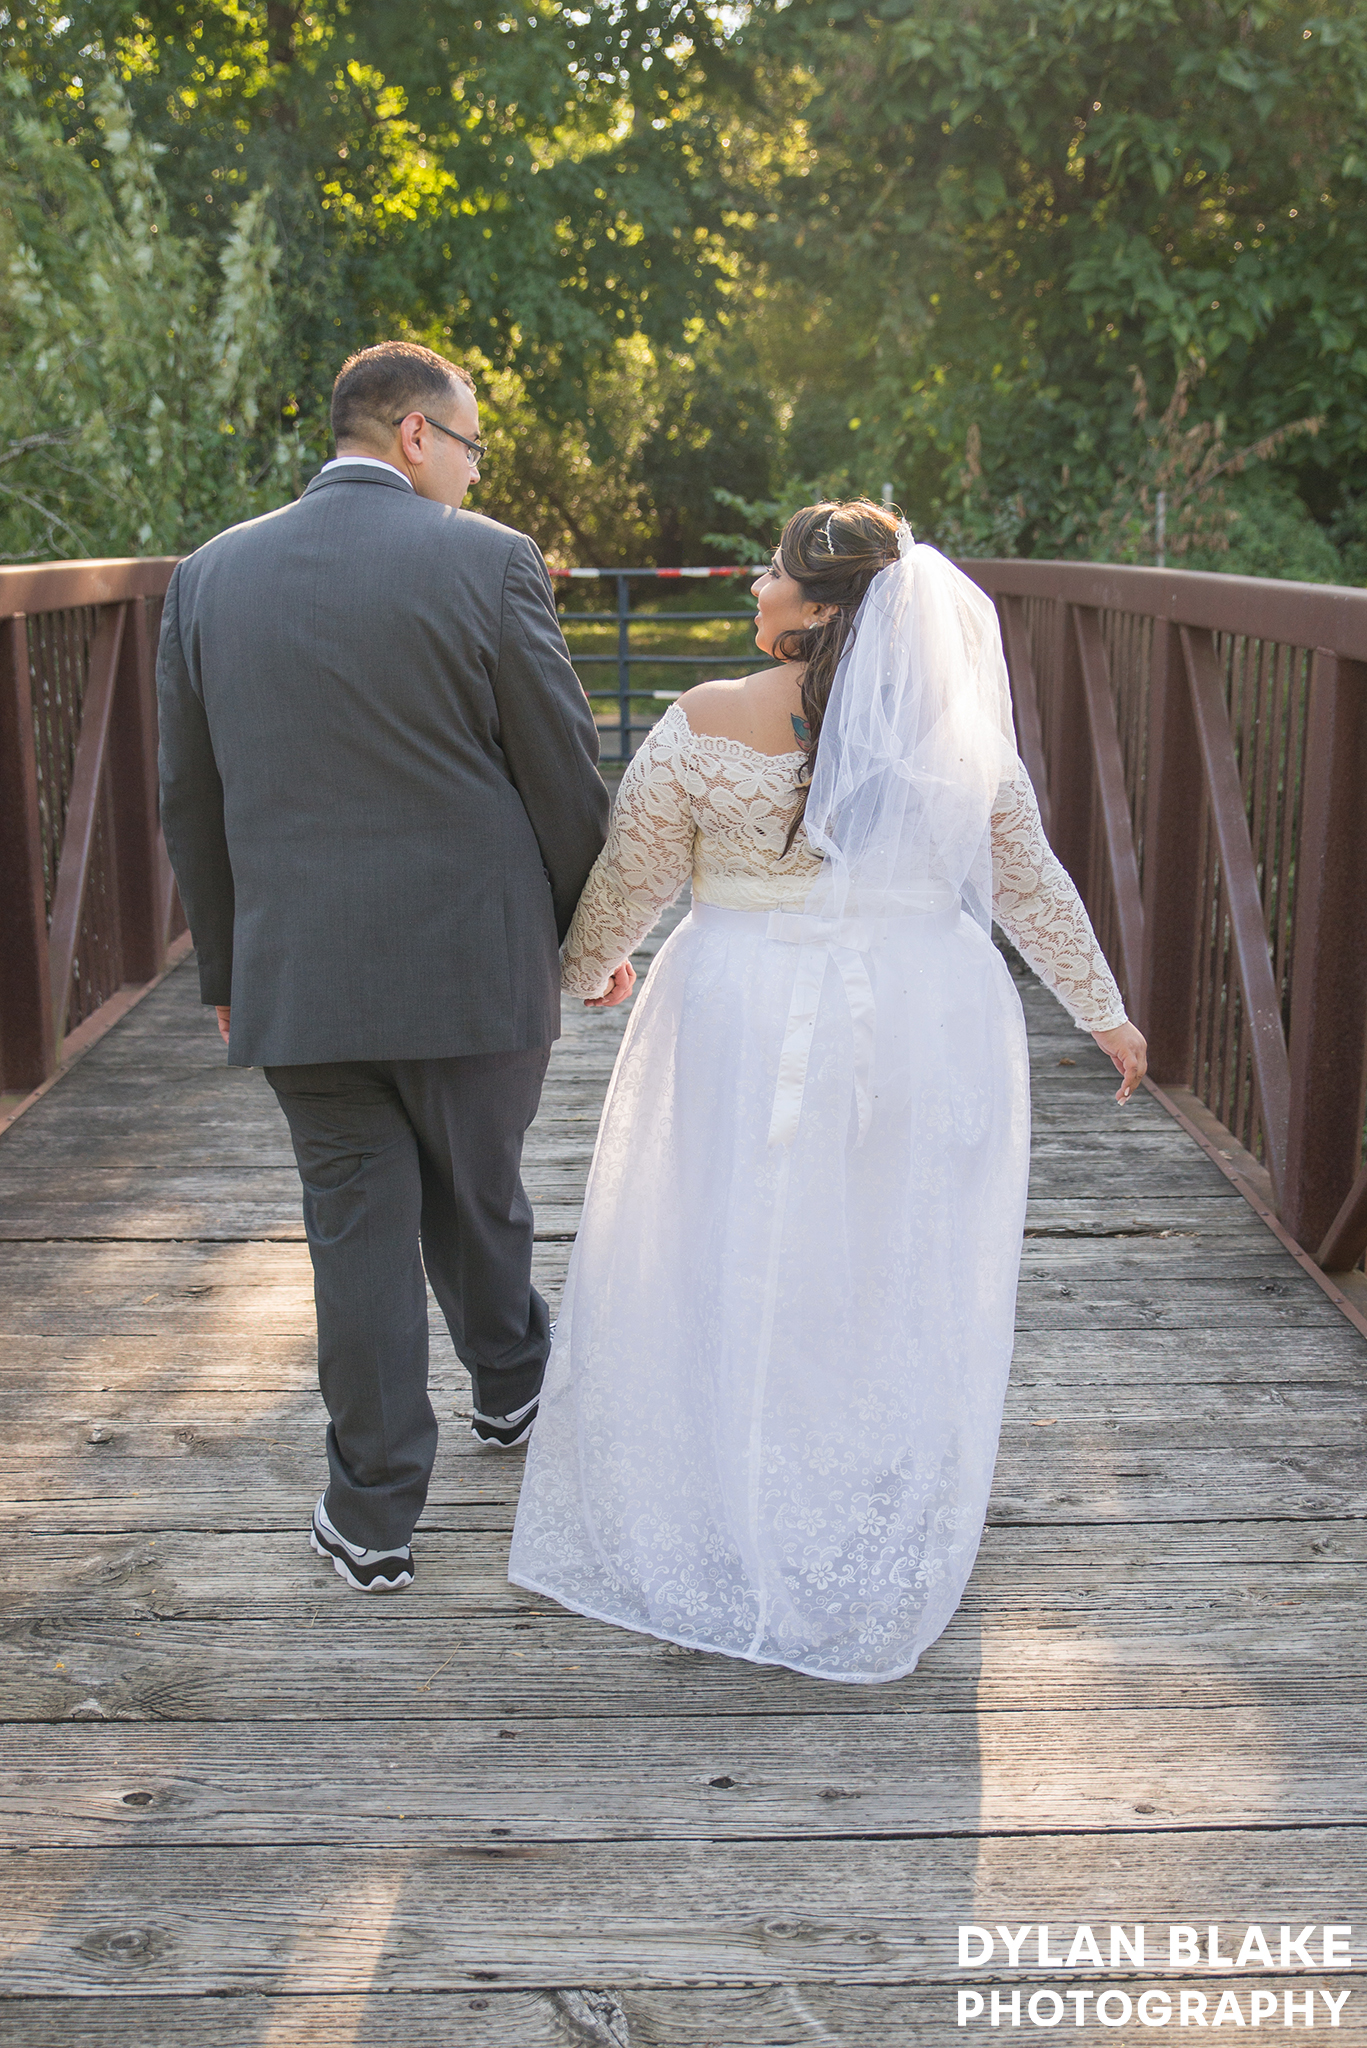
(834, 552)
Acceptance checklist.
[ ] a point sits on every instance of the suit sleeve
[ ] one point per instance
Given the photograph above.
(547, 732)
(192, 808)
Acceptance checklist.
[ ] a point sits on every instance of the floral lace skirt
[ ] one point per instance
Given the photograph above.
(771, 1410)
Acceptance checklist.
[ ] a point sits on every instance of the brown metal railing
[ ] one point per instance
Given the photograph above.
(87, 901)
(1199, 744)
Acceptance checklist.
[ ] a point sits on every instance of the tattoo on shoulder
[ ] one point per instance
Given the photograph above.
(802, 729)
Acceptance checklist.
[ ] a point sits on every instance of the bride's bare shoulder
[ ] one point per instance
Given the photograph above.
(716, 709)
(752, 709)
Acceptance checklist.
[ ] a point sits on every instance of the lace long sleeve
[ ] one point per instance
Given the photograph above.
(1037, 906)
(644, 864)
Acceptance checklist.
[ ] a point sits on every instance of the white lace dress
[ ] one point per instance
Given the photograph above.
(771, 1409)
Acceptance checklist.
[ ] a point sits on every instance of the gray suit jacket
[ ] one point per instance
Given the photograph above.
(378, 777)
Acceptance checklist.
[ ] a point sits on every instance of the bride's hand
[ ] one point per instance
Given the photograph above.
(617, 990)
(1129, 1054)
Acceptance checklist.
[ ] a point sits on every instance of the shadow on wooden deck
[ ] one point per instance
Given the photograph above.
(246, 1806)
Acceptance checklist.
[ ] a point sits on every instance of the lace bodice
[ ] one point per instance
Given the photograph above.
(696, 807)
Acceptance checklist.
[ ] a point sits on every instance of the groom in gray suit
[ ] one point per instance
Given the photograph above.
(381, 801)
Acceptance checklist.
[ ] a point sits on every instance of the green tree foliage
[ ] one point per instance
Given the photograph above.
(531, 188)
(533, 181)
(637, 476)
(698, 254)
(1002, 210)
(137, 404)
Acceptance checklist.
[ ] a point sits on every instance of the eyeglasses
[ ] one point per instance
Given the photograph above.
(477, 450)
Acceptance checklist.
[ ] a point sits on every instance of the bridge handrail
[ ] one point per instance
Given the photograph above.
(1199, 744)
(88, 904)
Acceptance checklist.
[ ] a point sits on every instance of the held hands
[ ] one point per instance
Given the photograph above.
(617, 990)
(1129, 1054)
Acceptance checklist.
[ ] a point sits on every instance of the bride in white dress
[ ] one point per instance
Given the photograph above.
(771, 1409)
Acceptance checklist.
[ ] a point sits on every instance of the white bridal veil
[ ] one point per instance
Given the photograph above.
(916, 740)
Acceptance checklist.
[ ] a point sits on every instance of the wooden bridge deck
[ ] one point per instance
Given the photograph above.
(246, 1806)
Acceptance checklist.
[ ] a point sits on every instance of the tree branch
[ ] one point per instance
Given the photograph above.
(18, 448)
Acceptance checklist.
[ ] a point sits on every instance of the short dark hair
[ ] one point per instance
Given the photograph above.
(381, 384)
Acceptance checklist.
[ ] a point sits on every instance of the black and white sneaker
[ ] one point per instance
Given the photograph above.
(369, 1571)
(502, 1432)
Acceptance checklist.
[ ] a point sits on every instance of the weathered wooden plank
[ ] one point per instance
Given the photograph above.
(270, 1573)
(219, 1920)
(1135, 1165)
(461, 1567)
(476, 2018)
(102, 1449)
(200, 1572)
(229, 1206)
(156, 1215)
(826, 2015)
(272, 1185)
(1056, 1238)
(272, 1362)
(683, 1777)
(1244, 1312)
(1048, 1656)
(67, 1289)
(100, 1167)
(193, 1484)
(54, 1419)
(226, 1100)
(254, 1575)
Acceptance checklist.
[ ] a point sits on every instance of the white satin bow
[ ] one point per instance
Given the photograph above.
(823, 940)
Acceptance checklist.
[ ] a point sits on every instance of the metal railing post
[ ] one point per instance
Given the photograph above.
(1111, 801)
(1071, 772)
(28, 1047)
(85, 805)
(624, 666)
(1241, 889)
(133, 788)
(1174, 809)
(1329, 954)
(1025, 703)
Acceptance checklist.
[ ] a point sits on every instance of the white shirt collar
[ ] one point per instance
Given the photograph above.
(375, 461)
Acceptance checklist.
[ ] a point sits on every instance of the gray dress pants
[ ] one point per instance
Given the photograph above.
(406, 1165)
